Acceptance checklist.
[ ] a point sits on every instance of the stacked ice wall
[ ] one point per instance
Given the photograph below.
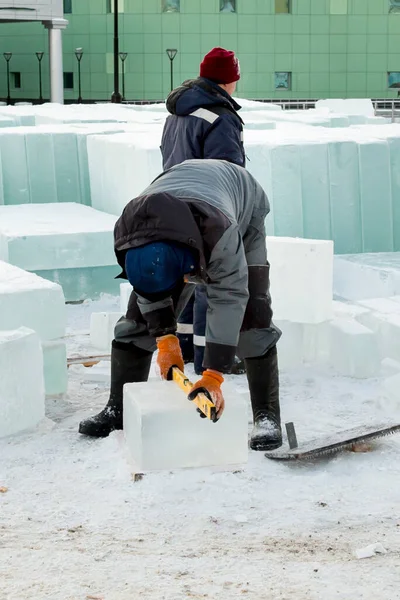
(323, 169)
(332, 173)
(29, 301)
(47, 163)
(67, 243)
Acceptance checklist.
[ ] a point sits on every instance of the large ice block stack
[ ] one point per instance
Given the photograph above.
(162, 429)
(97, 113)
(102, 329)
(27, 300)
(47, 163)
(353, 349)
(363, 276)
(337, 183)
(347, 106)
(21, 381)
(20, 115)
(301, 290)
(7, 121)
(323, 169)
(67, 243)
(301, 279)
(351, 337)
(366, 337)
(366, 328)
(122, 166)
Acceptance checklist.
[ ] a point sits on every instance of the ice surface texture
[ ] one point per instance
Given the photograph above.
(322, 169)
(301, 280)
(331, 183)
(102, 329)
(47, 163)
(55, 367)
(30, 301)
(27, 300)
(321, 182)
(164, 431)
(21, 381)
(67, 243)
(56, 236)
(353, 351)
(364, 276)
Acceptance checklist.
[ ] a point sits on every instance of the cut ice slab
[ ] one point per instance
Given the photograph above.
(30, 301)
(303, 343)
(164, 431)
(365, 276)
(55, 367)
(391, 388)
(121, 166)
(387, 330)
(39, 237)
(347, 106)
(354, 349)
(21, 381)
(102, 329)
(67, 243)
(301, 279)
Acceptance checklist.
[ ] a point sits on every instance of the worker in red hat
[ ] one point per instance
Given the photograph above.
(204, 123)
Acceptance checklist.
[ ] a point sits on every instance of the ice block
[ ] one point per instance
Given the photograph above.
(21, 381)
(164, 431)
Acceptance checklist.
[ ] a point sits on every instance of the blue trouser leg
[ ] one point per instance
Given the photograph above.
(199, 327)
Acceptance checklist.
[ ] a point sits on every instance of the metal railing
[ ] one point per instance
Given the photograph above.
(383, 107)
(300, 104)
(387, 108)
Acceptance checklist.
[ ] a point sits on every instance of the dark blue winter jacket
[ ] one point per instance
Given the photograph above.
(203, 124)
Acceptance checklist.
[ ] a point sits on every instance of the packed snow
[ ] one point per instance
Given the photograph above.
(80, 525)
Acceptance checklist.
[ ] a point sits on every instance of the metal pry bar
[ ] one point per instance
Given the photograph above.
(291, 436)
(207, 407)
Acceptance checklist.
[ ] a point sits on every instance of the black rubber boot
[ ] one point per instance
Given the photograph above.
(128, 364)
(263, 378)
(238, 368)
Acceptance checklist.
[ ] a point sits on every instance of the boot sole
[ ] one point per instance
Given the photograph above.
(263, 447)
(96, 434)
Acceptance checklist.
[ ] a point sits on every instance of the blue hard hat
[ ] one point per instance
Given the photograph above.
(158, 266)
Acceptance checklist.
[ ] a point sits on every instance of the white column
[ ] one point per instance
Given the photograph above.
(55, 28)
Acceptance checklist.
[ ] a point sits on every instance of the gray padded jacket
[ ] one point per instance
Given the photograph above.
(219, 210)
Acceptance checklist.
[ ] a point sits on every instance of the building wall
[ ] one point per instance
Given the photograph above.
(335, 48)
(31, 10)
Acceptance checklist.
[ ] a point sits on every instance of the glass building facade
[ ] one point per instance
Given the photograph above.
(287, 48)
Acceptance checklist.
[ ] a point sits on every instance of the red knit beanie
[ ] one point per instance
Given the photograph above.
(220, 66)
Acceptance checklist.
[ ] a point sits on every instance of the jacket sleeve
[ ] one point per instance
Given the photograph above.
(254, 240)
(224, 141)
(227, 296)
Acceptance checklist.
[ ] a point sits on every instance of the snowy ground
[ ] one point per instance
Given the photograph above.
(75, 526)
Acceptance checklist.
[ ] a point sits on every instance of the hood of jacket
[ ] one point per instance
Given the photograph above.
(199, 93)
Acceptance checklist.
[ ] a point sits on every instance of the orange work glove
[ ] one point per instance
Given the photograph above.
(210, 385)
(169, 355)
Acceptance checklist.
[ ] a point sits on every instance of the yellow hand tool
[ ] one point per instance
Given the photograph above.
(206, 406)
